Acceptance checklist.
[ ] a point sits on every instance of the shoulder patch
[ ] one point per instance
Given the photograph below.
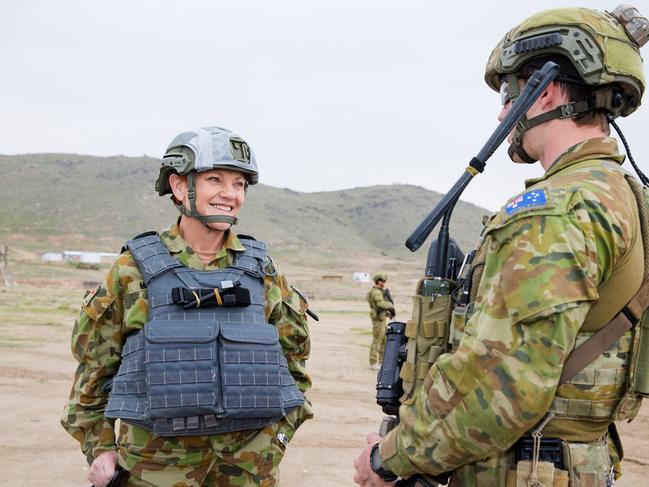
(535, 198)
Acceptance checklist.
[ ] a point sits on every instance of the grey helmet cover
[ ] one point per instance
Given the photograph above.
(209, 148)
(201, 150)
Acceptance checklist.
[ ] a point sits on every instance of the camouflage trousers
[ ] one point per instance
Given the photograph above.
(246, 458)
(586, 465)
(378, 341)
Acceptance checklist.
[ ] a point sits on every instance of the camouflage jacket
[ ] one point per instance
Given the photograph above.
(548, 251)
(378, 304)
(119, 306)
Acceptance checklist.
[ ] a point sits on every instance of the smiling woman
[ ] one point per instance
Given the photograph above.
(218, 192)
(195, 340)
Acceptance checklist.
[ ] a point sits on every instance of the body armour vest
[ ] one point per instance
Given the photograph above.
(207, 361)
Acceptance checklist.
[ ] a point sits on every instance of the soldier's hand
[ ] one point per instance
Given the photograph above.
(364, 475)
(103, 469)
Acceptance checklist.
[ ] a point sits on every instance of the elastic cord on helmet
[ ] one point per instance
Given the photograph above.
(641, 175)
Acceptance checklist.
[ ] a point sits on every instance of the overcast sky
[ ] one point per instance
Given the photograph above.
(329, 94)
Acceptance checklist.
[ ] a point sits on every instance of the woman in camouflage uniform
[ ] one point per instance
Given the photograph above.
(208, 172)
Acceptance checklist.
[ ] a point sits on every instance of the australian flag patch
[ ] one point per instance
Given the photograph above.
(531, 199)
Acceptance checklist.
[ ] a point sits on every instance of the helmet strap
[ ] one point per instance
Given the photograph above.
(193, 211)
(567, 110)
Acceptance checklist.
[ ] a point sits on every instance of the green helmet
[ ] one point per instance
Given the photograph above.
(379, 277)
(201, 150)
(597, 49)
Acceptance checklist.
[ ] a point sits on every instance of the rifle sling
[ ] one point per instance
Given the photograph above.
(592, 348)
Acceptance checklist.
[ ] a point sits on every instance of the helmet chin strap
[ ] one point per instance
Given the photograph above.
(516, 147)
(564, 111)
(193, 211)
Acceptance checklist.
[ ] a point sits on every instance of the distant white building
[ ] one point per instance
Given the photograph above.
(79, 256)
(361, 277)
(52, 257)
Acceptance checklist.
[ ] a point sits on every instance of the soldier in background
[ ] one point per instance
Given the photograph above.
(381, 308)
(559, 262)
(220, 319)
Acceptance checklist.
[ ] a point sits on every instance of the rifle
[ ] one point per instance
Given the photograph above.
(387, 295)
(443, 258)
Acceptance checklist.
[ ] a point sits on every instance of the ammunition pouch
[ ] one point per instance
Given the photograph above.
(427, 332)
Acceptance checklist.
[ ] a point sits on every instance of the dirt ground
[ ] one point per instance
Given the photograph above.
(36, 369)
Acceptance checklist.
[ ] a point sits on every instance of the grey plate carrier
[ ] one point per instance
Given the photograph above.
(201, 371)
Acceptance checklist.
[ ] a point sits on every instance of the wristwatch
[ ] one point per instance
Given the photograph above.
(377, 466)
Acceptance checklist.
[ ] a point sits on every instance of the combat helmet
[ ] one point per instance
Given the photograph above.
(597, 49)
(379, 277)
(200, 150)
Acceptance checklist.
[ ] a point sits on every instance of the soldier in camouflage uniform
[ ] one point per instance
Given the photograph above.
(558, 262)
(380, 310)
(209, 195)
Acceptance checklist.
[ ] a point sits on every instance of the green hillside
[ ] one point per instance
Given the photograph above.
(99, 202)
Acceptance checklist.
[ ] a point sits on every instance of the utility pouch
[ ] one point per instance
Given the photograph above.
(427, 332)
(638, 375)
(181, 371)
(227, 370)
(459, 318)
(253, 372)
(588, 463)
(547, 475)
(639, 367)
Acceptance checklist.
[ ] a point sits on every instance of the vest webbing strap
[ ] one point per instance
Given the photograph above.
(592, 348)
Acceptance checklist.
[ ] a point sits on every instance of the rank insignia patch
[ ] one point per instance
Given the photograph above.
(531, 199)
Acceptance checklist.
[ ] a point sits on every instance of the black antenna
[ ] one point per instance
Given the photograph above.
(531, 92)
